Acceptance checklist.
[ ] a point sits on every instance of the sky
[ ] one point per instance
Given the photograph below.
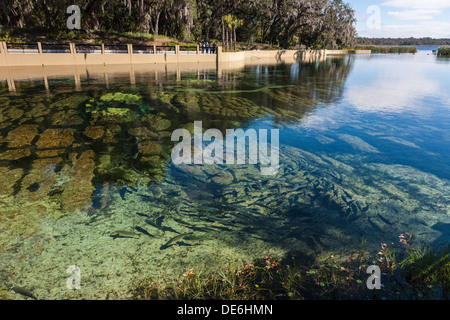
(402, 18)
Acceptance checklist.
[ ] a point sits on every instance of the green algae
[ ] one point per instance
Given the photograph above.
(225, 106)
(120, 100)
(126, 98)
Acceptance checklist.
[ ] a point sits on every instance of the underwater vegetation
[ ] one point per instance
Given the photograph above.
(409, 271)
(85, 140)
(88, 178)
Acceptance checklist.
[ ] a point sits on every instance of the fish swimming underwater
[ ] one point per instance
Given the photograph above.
(124, 234)
(158, 224)
(143, 215)
(182, 222)
(174, 239)
(142, 230)
(24, 292)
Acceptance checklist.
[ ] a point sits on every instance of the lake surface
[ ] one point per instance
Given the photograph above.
(88, 178)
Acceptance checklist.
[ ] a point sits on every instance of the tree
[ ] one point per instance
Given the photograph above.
(320, 22)
(13, 13)
(338, 25)
(231, 23)
(297, 14)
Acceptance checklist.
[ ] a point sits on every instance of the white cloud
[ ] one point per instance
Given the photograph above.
(323, 119)
(418, 4)
(388, 93)
(417, 10)
(424, 28)
(396, 92)
(417, 14)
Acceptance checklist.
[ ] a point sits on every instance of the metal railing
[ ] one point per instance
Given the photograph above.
(30, 47)
(116, 48)
(142, 49)
(22, 47)
(88, 48)
(165, 49)
(97, 48)
(188, 49)
(55, 47)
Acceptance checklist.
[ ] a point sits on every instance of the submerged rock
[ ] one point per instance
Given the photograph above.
(111, 131)
(157, 122)
(150, 147)
(66, 118)
(15, 154)
(142, 133)
(55, 138)
(50, 153)
(70, 101)
(12, 114)
(22, 136)
(38, 111)
(94, 132)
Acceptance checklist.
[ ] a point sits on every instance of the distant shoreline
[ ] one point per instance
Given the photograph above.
(403, 41)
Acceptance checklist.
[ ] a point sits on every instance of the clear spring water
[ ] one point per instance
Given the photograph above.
(88, 178)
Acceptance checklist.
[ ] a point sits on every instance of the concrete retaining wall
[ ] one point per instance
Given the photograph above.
(8, 59)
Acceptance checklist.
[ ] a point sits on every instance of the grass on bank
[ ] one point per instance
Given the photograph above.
(408, 272)
(85, 36)
(443, 52)
(383, 49)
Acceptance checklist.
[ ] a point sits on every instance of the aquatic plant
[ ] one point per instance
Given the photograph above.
(110, 100)
(419, 272)
(427, 267)
(219, 106)
(387, 49)
(121, 97)
(266, 279)
(444, 52)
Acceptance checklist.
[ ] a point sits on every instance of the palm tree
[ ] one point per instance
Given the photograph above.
(226, 20)
(235, 23)
(230, 23)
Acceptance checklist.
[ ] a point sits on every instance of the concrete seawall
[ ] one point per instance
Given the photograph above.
(36, 57)
(18, 66)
